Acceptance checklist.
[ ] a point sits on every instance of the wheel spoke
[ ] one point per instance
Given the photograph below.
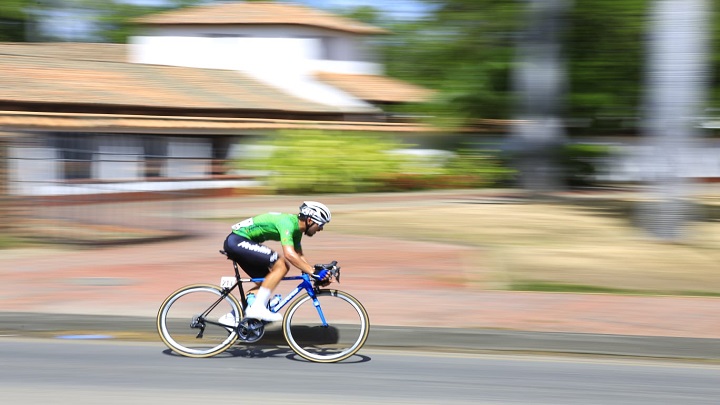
(187, 332)
(345, 334)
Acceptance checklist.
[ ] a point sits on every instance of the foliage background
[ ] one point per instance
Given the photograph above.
(465, 49)
(348, 162)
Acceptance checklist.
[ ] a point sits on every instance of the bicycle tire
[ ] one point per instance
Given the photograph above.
(178, 325)
(346, 332)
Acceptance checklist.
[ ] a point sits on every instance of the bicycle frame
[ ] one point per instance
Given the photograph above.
(305, 285)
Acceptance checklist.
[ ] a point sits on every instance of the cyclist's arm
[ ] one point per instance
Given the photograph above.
(297, 259)
(300, 253)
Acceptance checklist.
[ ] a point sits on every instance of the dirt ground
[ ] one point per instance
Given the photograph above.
(579, 242)
(584, 244)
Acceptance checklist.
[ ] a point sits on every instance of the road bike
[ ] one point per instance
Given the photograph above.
(320, 325)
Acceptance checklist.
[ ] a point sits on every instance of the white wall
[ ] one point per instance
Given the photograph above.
(637, 163)
(343, 46)
(287, 60)
(32, 168)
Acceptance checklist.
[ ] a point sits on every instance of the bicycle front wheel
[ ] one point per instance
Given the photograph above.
(345, 332)
(194, 322)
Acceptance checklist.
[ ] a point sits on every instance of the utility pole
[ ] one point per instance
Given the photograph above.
(540, 83)
(677, 78)
(6, 218)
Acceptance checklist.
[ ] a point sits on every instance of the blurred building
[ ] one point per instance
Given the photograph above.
(169, 110)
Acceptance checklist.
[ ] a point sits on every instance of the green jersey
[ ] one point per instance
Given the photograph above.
(271, 226)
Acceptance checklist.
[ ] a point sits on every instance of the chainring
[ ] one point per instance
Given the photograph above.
(251, 330)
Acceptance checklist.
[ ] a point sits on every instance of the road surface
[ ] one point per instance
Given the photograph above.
(44, 371)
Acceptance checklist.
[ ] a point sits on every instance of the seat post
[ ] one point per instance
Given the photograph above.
(241, 290)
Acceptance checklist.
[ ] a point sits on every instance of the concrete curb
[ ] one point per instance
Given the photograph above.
(445, 339)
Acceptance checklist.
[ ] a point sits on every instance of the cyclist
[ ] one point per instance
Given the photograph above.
(244, 245)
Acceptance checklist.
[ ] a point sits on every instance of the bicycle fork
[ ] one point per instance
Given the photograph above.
(316, 302)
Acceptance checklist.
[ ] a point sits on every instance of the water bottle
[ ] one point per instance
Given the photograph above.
(274, 301)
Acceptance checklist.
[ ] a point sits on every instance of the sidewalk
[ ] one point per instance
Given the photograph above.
(408, 303)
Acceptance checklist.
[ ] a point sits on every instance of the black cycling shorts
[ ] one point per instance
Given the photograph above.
(255, 259)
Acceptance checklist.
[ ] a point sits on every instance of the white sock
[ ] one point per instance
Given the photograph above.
(262, 297)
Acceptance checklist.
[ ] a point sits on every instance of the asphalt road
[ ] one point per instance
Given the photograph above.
(41, 371)
(413, 338)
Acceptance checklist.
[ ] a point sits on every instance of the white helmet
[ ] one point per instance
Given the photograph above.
(317, 211)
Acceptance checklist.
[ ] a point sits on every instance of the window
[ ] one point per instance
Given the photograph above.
(76, 153)
(155, 156)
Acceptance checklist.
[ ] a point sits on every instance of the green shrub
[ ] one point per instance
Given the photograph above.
(581, 162)
(349, 162)
(328, 161)
(478, 168)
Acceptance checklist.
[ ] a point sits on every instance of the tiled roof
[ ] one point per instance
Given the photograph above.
(377, 88)
(92, 74)
(236, 13)
(101, 52)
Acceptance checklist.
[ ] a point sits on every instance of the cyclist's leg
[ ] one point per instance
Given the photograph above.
(230, 248)
(258, 261)
(278, 270)
(253, 290)
(254, 259)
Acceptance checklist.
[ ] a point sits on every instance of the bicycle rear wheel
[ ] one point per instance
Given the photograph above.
(188, 320)
(346, 332)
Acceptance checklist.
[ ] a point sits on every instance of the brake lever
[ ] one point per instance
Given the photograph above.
(333, 269)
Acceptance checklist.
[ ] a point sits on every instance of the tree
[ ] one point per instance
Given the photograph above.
(115, 19)
(366, 14)
(464, 49)
(604, 47)
(76, 20)
(14, 20)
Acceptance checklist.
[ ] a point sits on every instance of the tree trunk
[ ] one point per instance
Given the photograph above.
(539, 81)
(676, 82)
(5, 206)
